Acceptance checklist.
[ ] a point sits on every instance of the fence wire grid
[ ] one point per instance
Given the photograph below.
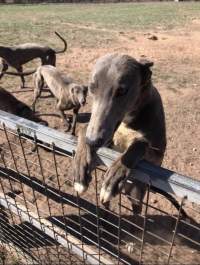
(43, 221)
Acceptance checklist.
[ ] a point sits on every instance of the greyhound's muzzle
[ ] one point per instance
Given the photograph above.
(82, 103)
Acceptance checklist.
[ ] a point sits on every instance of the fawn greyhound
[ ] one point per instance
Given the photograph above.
(17, 56)
(68, 94)
(122, 91)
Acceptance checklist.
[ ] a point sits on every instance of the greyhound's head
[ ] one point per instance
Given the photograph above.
(78, 93)
(115, 85)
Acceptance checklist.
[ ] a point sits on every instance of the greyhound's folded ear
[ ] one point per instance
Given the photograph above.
(146, 72)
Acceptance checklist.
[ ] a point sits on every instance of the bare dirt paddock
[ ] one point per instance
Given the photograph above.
(166, 33)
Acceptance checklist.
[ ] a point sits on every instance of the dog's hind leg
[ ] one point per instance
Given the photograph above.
(39, 84)
(61, 107)
(51, 60)
(75, 114)
(135, 192)
(20, 70)
(4, 68)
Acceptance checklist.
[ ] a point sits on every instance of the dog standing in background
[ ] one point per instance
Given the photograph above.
(69, 95)
(18, 55)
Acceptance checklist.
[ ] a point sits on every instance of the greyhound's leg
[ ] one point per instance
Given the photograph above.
(4, 69)
(39, 83)
(117, 175)
(64, 117)
(136, 192)
(44, 60)
(137, 189)
(61, 107)
(51, 60)
(83, 163)
(20, 70)
(54, 60)
(37, 93)
(75, 114)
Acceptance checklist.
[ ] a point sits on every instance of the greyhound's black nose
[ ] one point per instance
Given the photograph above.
(95, 143)
(83, 102)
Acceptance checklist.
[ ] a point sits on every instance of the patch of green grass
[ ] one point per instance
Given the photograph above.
(131, 15)
(18, 23)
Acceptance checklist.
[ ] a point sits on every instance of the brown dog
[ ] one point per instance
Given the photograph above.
(69, 95)
(17, 56)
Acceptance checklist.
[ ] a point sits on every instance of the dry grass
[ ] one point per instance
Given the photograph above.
(90, 34)
(8, 258)
(176, 55)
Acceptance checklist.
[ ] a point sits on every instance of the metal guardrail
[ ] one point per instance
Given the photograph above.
(42, 217)
(164, 179)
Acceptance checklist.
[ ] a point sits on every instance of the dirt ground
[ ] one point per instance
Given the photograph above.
(176, 54)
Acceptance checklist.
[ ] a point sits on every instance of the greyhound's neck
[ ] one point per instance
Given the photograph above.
(143, 99)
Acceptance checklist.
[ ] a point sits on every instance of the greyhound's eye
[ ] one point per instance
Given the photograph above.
(121, 91)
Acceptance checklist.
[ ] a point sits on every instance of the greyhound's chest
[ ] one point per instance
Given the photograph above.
(69, 105)
(123, 137)
(65, 99)
(66, 104)
(61, 96)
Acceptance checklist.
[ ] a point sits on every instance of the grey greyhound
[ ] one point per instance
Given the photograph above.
(11, 104)
(17, 56)
(122, 91)
(68, 94)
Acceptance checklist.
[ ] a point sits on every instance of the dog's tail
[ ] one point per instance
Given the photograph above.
(170, 198)
(64, 41)
(19, 74)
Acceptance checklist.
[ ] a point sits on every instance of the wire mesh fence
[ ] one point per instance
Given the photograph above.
(44, 221)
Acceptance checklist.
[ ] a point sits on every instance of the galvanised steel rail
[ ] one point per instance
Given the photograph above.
(46, 223)
(161, 178)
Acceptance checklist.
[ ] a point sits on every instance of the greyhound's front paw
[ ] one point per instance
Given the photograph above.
(82, 168)
(82, 173)
(131, 246)
(114, 181)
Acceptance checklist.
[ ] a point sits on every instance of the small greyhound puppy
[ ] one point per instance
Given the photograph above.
(68, 94)
(11, 104)
(122, 91)
(17, 56)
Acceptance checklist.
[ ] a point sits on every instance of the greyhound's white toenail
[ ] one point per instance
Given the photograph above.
(130, 247)
(105, 195)
(102, 194)
(80, 188)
